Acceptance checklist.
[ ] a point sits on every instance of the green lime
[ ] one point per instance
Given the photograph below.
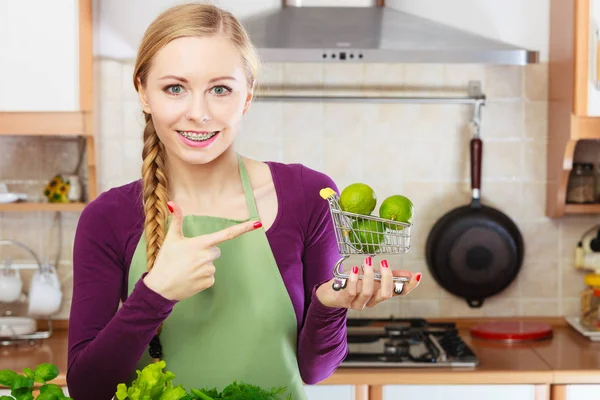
(358, 198)
(367, 235)
(397, 208)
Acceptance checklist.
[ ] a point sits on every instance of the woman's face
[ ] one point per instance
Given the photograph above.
(196, 92)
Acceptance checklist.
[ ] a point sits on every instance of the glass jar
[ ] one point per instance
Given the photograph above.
(582, 184)
(590, 301)
(74, 187)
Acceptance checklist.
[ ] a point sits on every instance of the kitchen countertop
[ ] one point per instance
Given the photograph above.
(567, 358)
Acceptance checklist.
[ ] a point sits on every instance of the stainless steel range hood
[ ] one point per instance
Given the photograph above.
(372, 34)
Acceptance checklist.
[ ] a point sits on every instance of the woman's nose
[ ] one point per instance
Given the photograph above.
(198, 109)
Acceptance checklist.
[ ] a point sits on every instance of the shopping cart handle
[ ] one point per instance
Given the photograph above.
(327, 193)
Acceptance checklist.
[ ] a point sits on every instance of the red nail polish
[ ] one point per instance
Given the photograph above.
(418, 277)
(384, 263)
(257, 224)
(170, 208)
(369, 261)
(355, 270)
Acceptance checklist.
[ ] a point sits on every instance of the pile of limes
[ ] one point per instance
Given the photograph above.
(360, 198)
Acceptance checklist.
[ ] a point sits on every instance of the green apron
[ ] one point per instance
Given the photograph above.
(244, 327)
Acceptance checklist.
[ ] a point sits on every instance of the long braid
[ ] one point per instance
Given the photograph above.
(155, 197)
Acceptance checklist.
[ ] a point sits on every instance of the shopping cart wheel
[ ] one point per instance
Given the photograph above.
(398, 287)
(339, 284)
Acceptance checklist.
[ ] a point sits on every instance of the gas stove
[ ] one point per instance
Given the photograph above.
(409, 343)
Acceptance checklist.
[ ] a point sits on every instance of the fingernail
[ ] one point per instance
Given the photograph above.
(257, 224)
(170, 207)
(355, 270)
(369, 261)
(418, 277)
(384, 263)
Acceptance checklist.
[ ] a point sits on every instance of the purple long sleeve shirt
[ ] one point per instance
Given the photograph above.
(106, 341)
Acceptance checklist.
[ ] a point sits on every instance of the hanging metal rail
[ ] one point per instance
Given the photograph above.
(474, 97)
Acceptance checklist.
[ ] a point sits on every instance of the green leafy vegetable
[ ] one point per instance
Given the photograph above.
(29, 373)
(45, 372)
(153, 383)
(52, 389)
(21, 382)
(240, 391)
(21, 385)
(7, 377)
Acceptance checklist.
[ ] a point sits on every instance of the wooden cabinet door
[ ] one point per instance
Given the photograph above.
(593, 78)
(39, 55)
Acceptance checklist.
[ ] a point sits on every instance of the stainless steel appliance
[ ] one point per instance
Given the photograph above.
(409, 343)
(372, 34)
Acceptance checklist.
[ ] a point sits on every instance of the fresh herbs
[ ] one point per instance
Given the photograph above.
(21, 385)
(239, 391)
(152, 383)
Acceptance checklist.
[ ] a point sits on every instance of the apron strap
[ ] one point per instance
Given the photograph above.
(250, 201)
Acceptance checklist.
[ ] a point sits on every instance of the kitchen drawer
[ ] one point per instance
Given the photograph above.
(459, 392)
(329, 392)
(583, 392)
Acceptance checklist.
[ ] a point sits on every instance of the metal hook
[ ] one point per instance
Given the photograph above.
(476, 121)
(474, 90)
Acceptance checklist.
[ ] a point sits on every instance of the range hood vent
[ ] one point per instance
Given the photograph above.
(372, 34)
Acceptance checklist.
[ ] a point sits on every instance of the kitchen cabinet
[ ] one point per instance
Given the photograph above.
(576, 392)
(573, 96)
(39, 54)
(328, 392)
(459, 392)
(592, 87)
(47, 75)
(582, 392)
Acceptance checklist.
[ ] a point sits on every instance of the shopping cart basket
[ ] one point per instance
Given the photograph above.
(365, 234)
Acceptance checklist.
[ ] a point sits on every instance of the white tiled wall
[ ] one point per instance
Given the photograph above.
(417, 150)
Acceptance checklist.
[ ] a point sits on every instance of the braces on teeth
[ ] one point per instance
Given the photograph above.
(197, 137)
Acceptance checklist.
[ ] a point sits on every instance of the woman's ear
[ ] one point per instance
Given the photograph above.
(249, 98)
(143, 97)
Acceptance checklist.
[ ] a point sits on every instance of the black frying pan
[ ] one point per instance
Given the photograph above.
(475, 251)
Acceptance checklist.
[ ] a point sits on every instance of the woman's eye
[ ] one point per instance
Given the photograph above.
(174, 89)
(221, 90)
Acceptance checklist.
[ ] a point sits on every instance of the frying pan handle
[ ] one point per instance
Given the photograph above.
(476, 150)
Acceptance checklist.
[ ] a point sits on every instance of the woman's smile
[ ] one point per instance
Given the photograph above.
(198, 139)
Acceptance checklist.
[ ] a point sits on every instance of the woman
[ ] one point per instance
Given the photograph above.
(222, 263)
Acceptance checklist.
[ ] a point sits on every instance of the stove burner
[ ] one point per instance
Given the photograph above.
(397, 348)
(405, 343)
(400, 331)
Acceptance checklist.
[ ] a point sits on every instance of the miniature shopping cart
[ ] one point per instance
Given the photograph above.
(365, 234)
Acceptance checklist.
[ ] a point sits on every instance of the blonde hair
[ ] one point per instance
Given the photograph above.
(185, 20)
